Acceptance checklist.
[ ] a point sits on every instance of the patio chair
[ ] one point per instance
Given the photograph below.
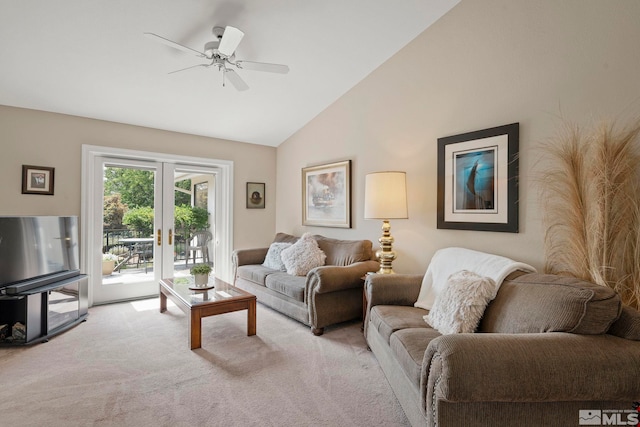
(199, 241)
(143, 253)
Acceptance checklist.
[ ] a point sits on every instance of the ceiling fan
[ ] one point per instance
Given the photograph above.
(221, 53)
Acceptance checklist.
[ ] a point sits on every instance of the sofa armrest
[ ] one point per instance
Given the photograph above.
(552, 366)
(392, 289)
(246, 257)
(331, 278)
(249, 256)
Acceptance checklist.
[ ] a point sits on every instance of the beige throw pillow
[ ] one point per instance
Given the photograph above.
(461, 304)
(303, 256)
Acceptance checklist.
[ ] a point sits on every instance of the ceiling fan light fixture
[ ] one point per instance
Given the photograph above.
(211, 48)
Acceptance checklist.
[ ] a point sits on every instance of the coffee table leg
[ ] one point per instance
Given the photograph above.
(163, 302)
(251, 318)
(195, 330)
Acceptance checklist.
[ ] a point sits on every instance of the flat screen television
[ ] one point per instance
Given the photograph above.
(35, 248)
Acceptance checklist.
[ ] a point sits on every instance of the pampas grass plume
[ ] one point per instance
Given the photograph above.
(591, 199)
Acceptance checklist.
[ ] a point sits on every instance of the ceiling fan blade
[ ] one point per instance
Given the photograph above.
(188, 68)
(173, 44)
(235, 80)
(230, 40)
(263, 66)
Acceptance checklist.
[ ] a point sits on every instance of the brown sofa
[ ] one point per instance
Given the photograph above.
(327, 295)
(548, 350)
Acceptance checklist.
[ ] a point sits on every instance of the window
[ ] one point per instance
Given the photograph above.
(201, 192)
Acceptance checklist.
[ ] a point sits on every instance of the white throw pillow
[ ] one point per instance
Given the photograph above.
(273, 259)
(461, 304)
(303, 256)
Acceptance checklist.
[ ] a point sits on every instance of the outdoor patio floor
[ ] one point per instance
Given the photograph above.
(135, 275)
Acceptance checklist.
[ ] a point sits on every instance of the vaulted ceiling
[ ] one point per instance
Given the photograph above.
(90, 59)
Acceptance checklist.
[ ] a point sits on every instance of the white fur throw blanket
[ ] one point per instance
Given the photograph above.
(447, 261)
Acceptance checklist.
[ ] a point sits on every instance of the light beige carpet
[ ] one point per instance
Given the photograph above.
(129, 365)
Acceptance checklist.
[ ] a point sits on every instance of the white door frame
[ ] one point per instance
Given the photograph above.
(223, 218)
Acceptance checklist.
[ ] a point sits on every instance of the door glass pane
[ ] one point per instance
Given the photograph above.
(128, 224)
(192, 220)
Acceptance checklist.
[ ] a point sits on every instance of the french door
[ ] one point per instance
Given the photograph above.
(138, 254)
(153, 243)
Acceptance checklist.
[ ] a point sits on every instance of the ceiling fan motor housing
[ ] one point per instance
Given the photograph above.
(211, 48)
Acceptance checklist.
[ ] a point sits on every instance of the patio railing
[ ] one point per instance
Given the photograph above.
(111, 241)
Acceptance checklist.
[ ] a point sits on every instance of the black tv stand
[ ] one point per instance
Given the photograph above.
(37, 314)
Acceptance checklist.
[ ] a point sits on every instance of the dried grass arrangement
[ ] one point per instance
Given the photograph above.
(591, 198)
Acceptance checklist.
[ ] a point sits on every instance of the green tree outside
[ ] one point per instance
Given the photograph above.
(180, 197)
(128, 202)
(135, 186)
(187, 219)
(140, 219)
(113, 213)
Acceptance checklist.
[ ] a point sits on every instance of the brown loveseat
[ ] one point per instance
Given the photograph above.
(328, 294)
(548, 350)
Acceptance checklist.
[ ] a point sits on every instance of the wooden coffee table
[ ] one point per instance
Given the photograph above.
(222, 298)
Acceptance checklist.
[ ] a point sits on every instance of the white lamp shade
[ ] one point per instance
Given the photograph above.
(385, 195)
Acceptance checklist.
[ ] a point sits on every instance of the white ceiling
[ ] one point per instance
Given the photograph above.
(89, 58)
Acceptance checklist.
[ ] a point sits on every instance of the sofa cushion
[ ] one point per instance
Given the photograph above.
(551, 303)
(344, 252)
(409, 345)
(286, 284)
(303, 256)
(388, 319)
(459, 307)
(255, 273)
(273, 259)
(628, 324)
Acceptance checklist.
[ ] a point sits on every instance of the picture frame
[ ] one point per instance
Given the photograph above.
(255, 195)
(37, 180)
(478, 180)
(326, 195)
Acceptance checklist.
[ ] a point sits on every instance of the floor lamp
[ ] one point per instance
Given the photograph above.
(385, 198)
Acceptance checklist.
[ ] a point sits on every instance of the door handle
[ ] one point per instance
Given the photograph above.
(170, 237)
(159, 237)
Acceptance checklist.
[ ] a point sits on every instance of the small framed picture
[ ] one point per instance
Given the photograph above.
(37, 180)
(255, 195)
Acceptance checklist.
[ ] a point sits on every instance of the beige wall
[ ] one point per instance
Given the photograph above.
(484, 64)
(55, 140)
